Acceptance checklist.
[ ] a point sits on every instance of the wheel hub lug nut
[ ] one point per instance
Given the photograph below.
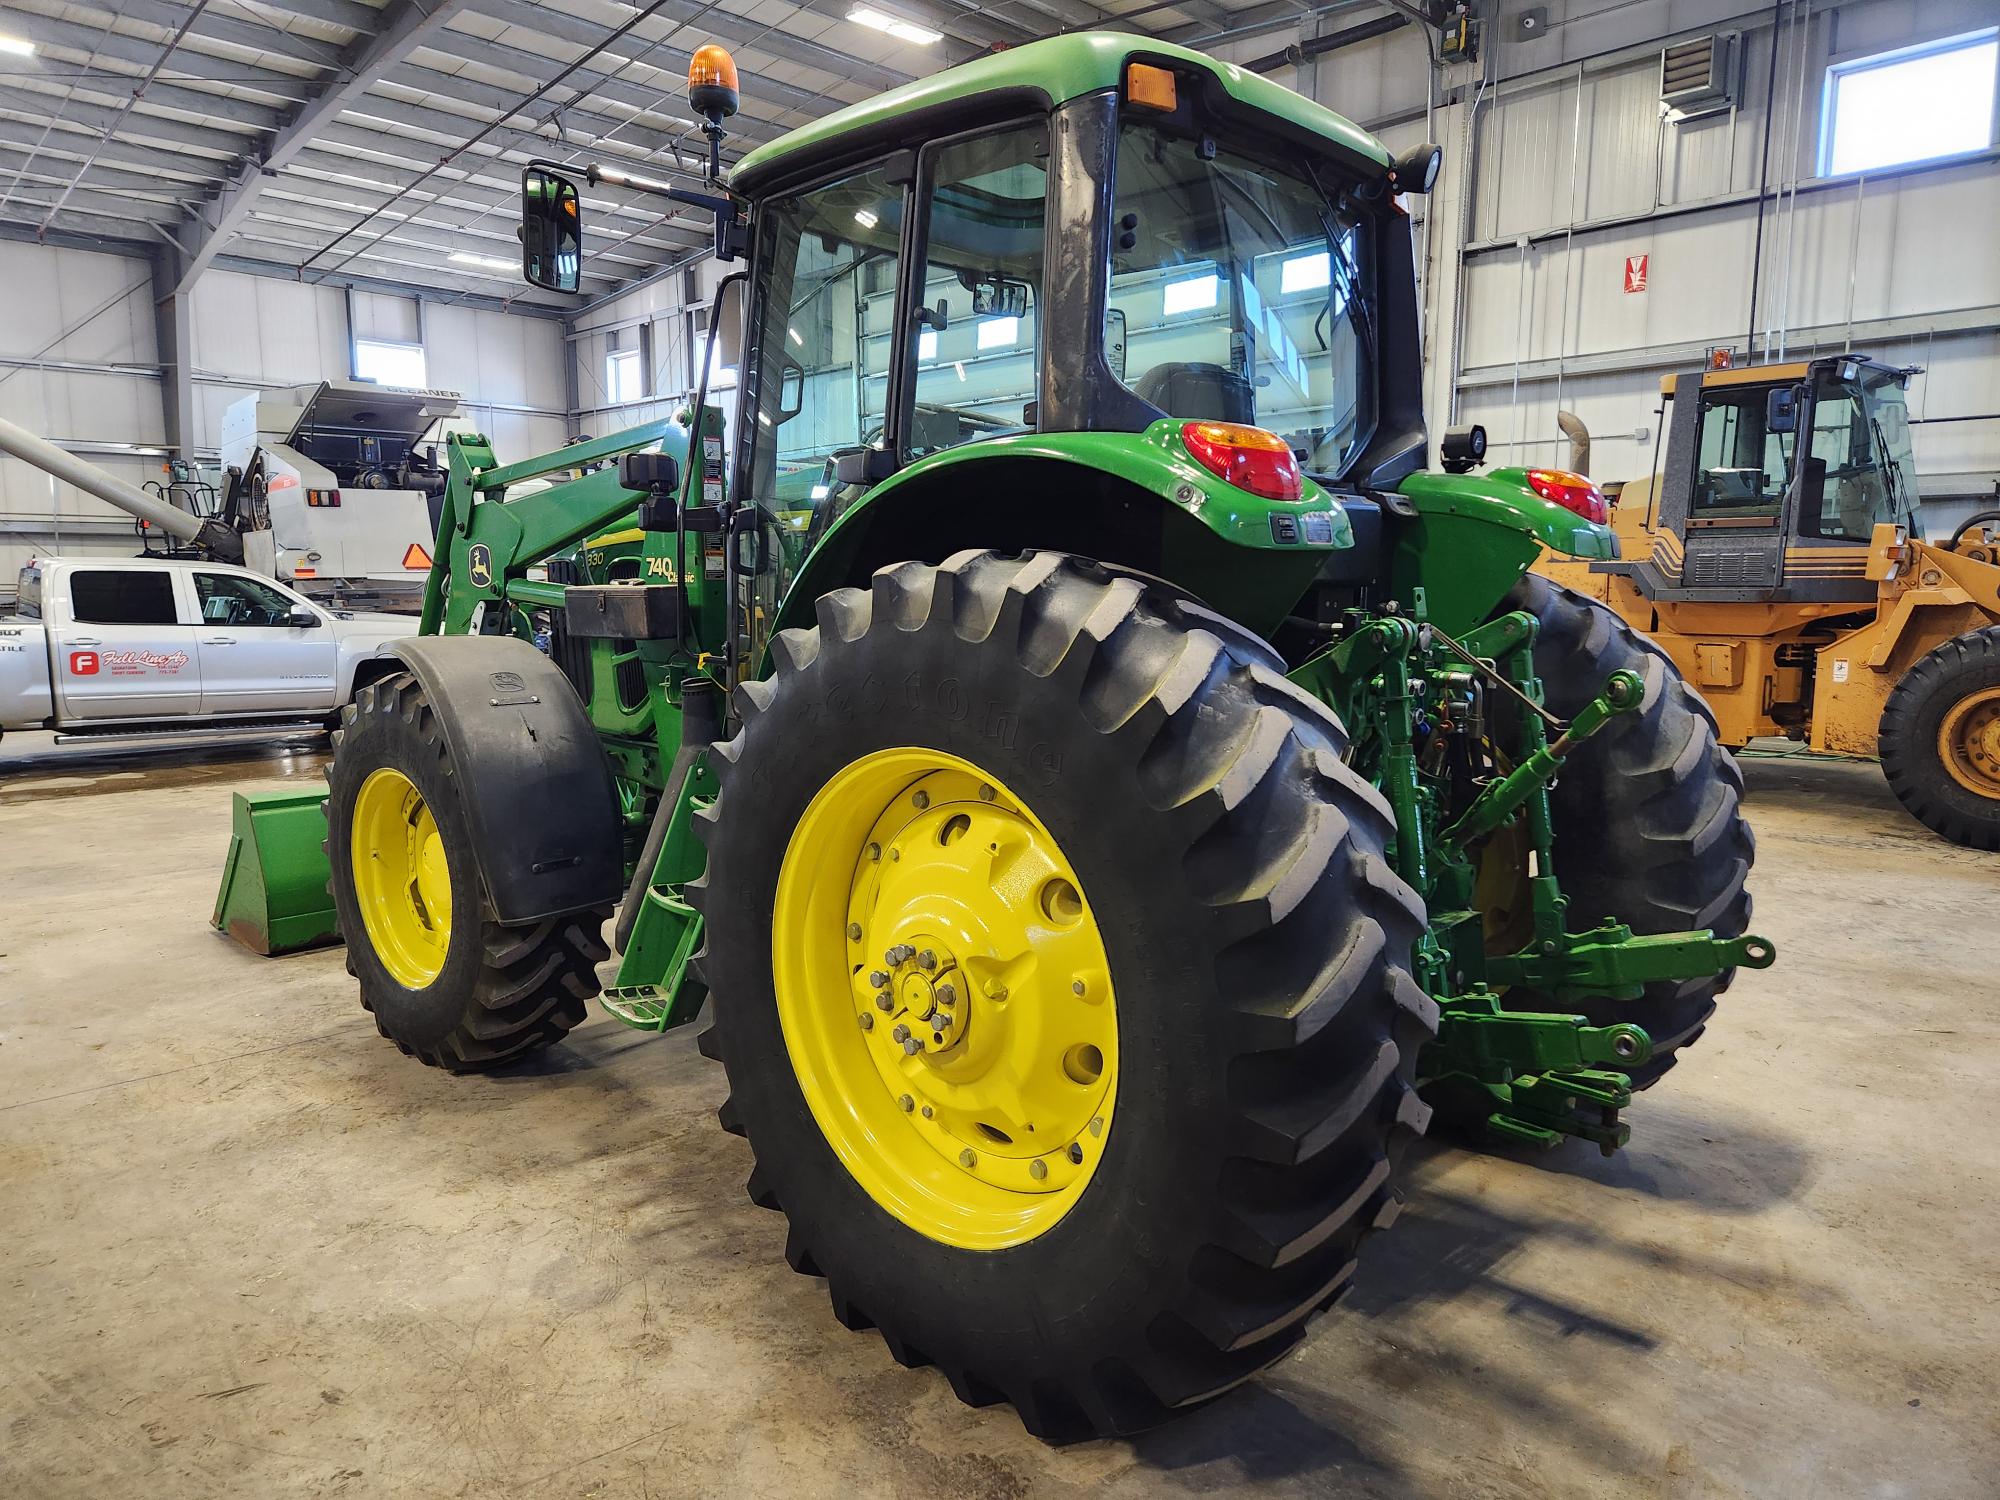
(907, 1103)
(966, 1158)
(1038, 1169)
(1076, 987)
(901, 1033)
(885, 1002)
(854, 932)
(911, 1047)
(922, 800)
(867, 1021)
(927, 960)
(878, 979)
(946, 995)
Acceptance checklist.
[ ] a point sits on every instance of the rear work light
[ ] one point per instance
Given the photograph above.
(1248, 457)
(1571, 492)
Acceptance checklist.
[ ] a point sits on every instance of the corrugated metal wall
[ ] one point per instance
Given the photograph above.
(1574, 168)
(98, 391)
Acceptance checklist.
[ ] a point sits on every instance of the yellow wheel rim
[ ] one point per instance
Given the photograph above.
(401, 880)
(1969, 742)
(945, 998)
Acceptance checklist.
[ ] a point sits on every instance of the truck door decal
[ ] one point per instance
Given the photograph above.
(83, 663)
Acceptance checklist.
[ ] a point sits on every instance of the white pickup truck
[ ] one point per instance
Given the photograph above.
(152, 645)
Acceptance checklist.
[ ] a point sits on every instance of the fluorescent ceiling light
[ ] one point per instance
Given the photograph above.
(997, 333)
(865, 217)
(1304, 273)
(16, 46)
(793, 335)
(923, 36)
(1192, 294)
(491, 262)
(927, 344)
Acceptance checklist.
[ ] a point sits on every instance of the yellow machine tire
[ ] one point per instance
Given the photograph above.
(1940, 740)
(1256, 945)
(455, 994)
(1648, 814)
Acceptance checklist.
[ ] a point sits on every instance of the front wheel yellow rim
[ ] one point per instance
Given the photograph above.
(402, 882)
(945, 998)
(1969, 742)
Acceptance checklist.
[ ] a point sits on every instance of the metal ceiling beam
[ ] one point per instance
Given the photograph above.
(137, 126)
(280, 218)
(405, 25)
(251, 30)
(64, 145)
(435, 292)
(24, 164)
(86, 41)
(115, 88)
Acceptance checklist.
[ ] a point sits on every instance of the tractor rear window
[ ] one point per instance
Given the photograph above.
(124, 596)
(1239, 294)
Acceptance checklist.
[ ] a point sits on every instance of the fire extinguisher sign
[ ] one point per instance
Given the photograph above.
(1635, 272)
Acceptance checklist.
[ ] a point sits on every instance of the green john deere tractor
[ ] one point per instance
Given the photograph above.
(1107, 792)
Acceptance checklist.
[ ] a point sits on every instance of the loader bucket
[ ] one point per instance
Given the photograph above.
(274, 896)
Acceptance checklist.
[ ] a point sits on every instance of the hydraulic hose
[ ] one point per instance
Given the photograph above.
(701, 726)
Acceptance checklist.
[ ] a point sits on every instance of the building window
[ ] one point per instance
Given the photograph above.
(1913, 104)
(624, 376)
(389, 364)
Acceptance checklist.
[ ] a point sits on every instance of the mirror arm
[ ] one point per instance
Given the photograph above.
(732, 238)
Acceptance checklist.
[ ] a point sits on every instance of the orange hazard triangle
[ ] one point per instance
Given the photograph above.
(416, 557)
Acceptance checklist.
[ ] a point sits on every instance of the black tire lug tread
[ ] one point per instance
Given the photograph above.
(1227, 750)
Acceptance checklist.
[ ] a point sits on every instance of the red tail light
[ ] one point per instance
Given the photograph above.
(1248, 457)
(1571, 492)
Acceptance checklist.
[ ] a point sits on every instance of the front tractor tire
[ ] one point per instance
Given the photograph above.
(1061, 983)
(1940, 740)
(1649, 828)
(446, 982)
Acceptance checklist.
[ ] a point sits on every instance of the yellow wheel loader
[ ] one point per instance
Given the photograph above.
(1777, 559)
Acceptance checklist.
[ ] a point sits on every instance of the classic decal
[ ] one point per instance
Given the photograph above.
(136, 663)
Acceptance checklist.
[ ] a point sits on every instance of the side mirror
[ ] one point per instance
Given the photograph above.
(551, 231)
(1781, 410)
(1114, 340)
(302, 618)
(791, 389)
(1462, 449)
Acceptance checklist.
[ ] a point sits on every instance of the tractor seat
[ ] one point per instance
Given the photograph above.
(1200, 391)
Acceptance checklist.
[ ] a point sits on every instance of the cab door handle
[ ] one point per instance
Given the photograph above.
(218, 640)
(85, 640)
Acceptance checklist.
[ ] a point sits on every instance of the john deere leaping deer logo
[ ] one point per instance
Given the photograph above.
(479, 565)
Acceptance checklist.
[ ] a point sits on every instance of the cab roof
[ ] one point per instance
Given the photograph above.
(1059, 69)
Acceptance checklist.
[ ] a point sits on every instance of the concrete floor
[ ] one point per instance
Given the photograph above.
(248, 1249)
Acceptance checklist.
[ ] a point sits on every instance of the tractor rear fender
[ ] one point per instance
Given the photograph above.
(1465, 539)
(1134, 499)
(545, 817)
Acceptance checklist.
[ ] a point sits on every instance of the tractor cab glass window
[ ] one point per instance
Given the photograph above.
(123, 596)
(1861, 433)
(1239, 290)
(978, 335)
(825, 294)
(227, 599)
(1744, 468)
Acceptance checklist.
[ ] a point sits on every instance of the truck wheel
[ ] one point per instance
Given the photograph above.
(1648, 822)
(454, 993)
(1940, 740)
(1062, 986)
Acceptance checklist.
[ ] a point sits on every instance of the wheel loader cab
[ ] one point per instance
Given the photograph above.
(1775, 480)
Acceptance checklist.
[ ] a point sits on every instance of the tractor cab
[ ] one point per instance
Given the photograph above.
(1775, 479)
(1090, 235)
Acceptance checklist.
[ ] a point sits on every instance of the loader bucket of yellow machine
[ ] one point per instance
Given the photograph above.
(274, 896)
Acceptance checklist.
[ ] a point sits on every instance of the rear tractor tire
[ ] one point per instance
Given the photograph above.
(1940, 740)
(1648, 819)
(446, 982)
(1062, 986)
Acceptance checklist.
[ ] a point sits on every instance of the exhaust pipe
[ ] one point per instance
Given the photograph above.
(211, 536)
(1579, 441)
